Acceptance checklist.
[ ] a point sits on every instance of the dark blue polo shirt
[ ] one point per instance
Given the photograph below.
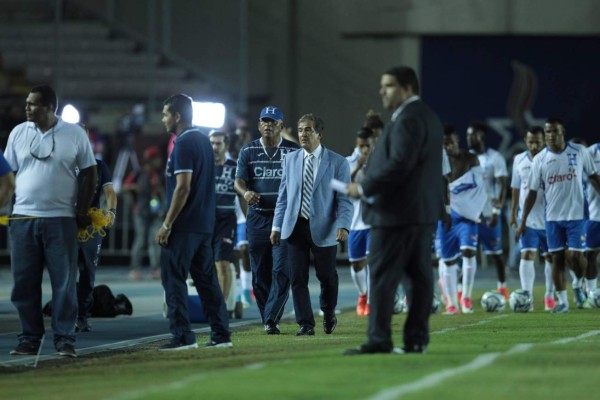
(192, 153)
(261, 168)
(224, 179)
(104, 178)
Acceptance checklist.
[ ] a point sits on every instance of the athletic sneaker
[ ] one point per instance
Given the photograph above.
(560, 309)
(66, 350)
(466, 305)
(504, 292)
(176, 345)
(549, 303)
(213, 344)
(361, 306)
(452, 310)
(580, 298)
(25, 349)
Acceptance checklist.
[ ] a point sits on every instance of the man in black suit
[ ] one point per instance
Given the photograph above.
(402, 191)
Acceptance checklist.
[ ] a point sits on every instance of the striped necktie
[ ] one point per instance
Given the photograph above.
(307, 187)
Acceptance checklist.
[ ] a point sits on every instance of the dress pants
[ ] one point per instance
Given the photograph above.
(300, 245)
(400, 254)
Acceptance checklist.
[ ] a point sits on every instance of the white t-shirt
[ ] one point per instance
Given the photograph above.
(47, 188)
(357, 221)
(520, 179)
(468, 195)
(561, 175)
(494, 166)
(592, 195)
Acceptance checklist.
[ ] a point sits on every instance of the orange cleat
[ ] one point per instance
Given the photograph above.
(452, 310)
(549, 303)
(466, 305)
(504, 292)
(361, 306)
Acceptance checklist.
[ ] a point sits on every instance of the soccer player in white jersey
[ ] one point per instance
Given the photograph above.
(592, 236)
(495, 176)
(534, 237)
(560, 168)
(467, 199)
(359, 237)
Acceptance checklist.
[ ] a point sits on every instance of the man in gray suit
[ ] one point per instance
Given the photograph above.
(403, 192)
(312, 218)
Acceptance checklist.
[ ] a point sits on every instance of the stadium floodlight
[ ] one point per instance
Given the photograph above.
(70, 114)
(208, 115)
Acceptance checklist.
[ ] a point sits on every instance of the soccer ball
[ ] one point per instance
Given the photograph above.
(493, 301)
(435, 306)
(520, 301)
(594, 298)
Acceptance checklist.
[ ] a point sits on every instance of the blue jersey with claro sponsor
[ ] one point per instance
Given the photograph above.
(192, 153)
(224, 179)
(261, 168)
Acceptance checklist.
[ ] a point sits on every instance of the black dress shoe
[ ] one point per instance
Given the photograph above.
(305, 330)
(329, 323)
(271, 328)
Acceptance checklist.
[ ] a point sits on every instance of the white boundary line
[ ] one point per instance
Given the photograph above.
(481, 361)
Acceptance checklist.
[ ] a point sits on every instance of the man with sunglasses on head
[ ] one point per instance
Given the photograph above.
(45, 152)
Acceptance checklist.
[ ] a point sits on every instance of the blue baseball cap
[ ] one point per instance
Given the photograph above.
(271, 112)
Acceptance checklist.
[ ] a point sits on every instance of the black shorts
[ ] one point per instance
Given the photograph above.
(224, 236)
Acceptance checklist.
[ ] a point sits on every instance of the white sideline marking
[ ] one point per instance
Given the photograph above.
(481, 361)
(482, 322)
(136, 394)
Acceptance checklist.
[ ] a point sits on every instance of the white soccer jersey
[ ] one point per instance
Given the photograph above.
(592, 195)
(357, 220)
(468, 195)
(494, 166)
(561, 175)
(239, 214)
(520, 179)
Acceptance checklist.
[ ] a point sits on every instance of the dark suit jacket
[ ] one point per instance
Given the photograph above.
(404, 172)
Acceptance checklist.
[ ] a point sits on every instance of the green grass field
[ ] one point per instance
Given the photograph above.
(478, 356)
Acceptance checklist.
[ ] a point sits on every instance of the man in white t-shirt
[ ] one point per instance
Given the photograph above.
(495, 175)
(560, 169)
(45, 153)
(534, 237)
(359, 236)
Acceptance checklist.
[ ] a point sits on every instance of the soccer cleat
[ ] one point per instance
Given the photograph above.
(504, 292)
(549, 303)
(580, 298)
(466, 305)
(135, 275)
(361, 306)
(452, 310)
(367, 309)
(560, 309)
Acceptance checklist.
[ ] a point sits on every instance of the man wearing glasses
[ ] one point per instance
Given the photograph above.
(45, 153)
(257, 179)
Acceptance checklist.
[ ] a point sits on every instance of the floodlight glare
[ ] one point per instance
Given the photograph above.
(209, 115)
(70, 114)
